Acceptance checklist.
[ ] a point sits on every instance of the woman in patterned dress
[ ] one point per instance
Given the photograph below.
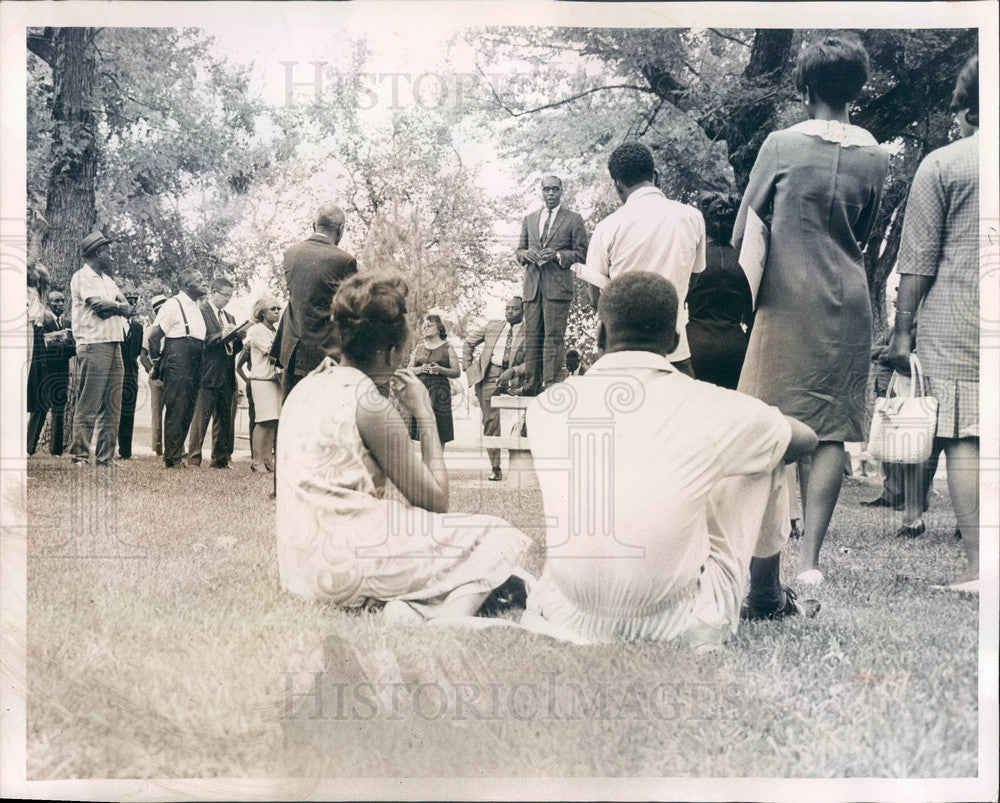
(819, 183)
(339, 538)
(939, 287)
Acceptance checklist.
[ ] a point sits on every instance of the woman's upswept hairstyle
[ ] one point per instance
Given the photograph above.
(966, 94)
(719, 210)
(369, 315)
(835, 68)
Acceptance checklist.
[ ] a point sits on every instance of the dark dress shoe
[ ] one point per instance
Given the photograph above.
(796, 531)
(882, 501)
(496, 475)
(792, 606)
(911, 532)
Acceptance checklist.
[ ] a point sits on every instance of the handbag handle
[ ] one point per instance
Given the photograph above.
(916, 379)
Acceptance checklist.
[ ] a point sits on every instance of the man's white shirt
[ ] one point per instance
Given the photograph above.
(650, 232)
(170, 320)
(88, 328)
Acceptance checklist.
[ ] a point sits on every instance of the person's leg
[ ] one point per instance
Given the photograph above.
(126, 423)
(156, 414)
(555, 315)
(57, 434)
(913, 501)
(181, 373)
(36, 421)
(91, 379)
(825, 476)
(264, 434)
(201, 414)
(963, 485)
(533, 343)
(223, 427)
(929, 470)
(251, 414)
(491, 417)
(111, 406)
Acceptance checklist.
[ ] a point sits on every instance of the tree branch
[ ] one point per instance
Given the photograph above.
(554, 104)
(721, 35)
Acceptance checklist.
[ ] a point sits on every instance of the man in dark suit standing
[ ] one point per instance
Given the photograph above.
(552, 240)
(313, 271)
(498, 362)
(217, 388)
(131, 348)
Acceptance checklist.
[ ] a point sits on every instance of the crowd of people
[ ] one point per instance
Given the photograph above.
(712, 388)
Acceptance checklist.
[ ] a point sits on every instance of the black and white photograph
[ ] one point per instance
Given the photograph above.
(479, 400)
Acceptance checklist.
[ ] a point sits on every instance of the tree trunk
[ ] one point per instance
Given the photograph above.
(756, 100)
(70, 208)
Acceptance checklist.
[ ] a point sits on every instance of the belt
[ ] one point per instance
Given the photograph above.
(190, 339)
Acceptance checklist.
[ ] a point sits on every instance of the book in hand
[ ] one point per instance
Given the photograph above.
(239, 331)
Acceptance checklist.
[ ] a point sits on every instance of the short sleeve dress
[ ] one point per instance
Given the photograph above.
(941, 239)
(339, 539)
(819, 183)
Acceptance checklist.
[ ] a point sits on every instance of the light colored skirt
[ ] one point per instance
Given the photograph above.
(266, 400)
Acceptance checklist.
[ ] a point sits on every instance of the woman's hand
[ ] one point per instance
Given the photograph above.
(411, 393)
(897, 353)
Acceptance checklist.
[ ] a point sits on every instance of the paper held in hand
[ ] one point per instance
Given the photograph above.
(753, 252)
(599, 280)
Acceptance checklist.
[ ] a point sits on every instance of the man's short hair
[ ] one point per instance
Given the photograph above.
(330, 217)
(638, 306)
(186, 277)
(220, 283)
(518, 299)
(631, 163)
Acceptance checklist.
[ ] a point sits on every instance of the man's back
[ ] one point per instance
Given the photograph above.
(313, 271)
(626, 469)
(653, 233)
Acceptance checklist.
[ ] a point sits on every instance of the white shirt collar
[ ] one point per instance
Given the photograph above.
(643, 192)
(182, 296)
(545, 212)
(625, 360)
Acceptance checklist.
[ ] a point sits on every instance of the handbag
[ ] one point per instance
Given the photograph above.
(903, 426)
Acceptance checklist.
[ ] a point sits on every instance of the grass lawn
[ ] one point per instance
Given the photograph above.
(159, 645)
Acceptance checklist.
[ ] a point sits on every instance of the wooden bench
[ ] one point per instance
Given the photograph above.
(512, 410)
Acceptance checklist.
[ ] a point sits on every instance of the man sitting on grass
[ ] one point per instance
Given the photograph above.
(662, 492)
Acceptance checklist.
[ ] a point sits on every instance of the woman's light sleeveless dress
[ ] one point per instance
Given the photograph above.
(340, 540)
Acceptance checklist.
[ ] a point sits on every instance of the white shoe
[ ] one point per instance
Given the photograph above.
(810, 577)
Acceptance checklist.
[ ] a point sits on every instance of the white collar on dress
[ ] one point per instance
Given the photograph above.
(623, 360)
(849, 136)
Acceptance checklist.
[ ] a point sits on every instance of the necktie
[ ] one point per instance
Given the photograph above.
(229, 343)
(545, 230)
(506, 349)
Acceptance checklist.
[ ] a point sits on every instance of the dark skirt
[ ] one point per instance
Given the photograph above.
(439, 388)
(717, 352)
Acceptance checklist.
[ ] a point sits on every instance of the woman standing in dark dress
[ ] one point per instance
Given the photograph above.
(720, 309)
(436, 363)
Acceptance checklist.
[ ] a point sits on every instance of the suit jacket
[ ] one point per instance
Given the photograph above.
(218, 369)
(567, 238)
(488, 335)
(132, 346)
(313, 271)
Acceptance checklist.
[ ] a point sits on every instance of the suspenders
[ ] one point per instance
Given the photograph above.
(187, 329)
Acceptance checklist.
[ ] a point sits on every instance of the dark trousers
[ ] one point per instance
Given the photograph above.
(491, 417)
(217, 405)
(130, 390)
(544, 341)
(56, 387)
(156, 413)
(99, 373)
(180, 369)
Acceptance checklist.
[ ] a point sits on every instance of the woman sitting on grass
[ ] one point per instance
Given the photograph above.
(340, 438)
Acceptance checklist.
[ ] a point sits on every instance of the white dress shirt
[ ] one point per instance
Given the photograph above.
(652, 233)
(541, 221)
(501, 345)
(170, 320)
